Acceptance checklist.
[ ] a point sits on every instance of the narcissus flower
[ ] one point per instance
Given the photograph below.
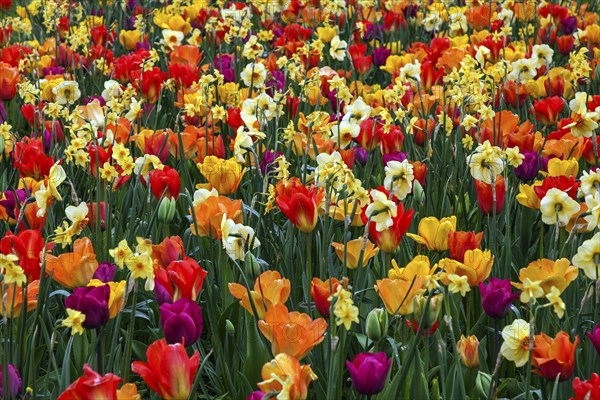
(269, 288)
(557, 207)
(285, 375)
(516, 342)
(399, 177)
(92, 385)
(467, 348)
(293, 333)
(351, 252)
(588, 257)
(169, 371)
(369, 372)
(299, 203)
(388, 221)
(74, 320)
(434, 233)
(552, 357)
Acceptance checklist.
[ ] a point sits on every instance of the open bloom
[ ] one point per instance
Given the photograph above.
(557, 207)
(74, 269)
(92, 385)
(459, 242)
(352, 250)
(548, 273)
(433, 233)
(477, 266)
(369, 372)
(398, 294)
(223, 175)
(285, 374)
(552, 357)
(269, 288)
(208, 212)
(587, 390)
(181, 279)
(516, 342)
(399, 178)
(389, 221)
(93, 302)
(169, 371)
(588, 257)
(299, 203)
(293, 333)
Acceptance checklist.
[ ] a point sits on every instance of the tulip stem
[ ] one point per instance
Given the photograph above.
(496, 342)
(99, 349)
(128, 343)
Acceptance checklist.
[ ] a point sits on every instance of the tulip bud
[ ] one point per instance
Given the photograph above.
(252, 264)
(377, 324)
(435, 390)
(1, 144)
(467, 348)
(167, 209)
(433, 312)
(418, 192)
(483, 383)
(229, 328)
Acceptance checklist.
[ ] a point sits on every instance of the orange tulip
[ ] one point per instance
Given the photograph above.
(467, 350)
(552, 357)
(73, 269)
(188, 138)
(170, 249)
(353, 249)
(459, 242)
(287, 369)
(291, 332)
(209, 214)
(9, 77)
(14, 307)
(269, 289)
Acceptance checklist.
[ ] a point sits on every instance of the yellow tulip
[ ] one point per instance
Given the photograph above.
(325, 33)
(527, 196)
(398, 295)
(433, 233)
(129, 39)
(115, 301)
(223, 175)
(558, 167)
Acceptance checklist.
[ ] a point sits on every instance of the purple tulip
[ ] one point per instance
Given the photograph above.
(181, 321)
(13, 199)
(2, 113)
(497, 296)
(530, 166)
(594, 337)
(380, 56)
(93, 302)
(266, 164)
(369, 372)
(161, 294)
(361, 155)
(256, 395)
(105, 272)
(14, 382)
(393, 156)
(569, 25)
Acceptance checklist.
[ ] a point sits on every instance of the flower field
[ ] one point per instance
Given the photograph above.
(299, 199)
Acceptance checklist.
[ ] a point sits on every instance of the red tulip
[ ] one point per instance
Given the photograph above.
(299, 203)
(459, 242)
(28, 246)
(30, 159)
(320, 292)
(548, 109)
(182, 279)
(485, 198)
(169, 371)
(165, 181)
(92, 386)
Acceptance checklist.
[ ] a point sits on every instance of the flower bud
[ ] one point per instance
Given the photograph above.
(252, 264)
(483, 383)
(167, 209)
(418, 192)
(467, 348)
(433, 312)
(377, 324)
(229, 328)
